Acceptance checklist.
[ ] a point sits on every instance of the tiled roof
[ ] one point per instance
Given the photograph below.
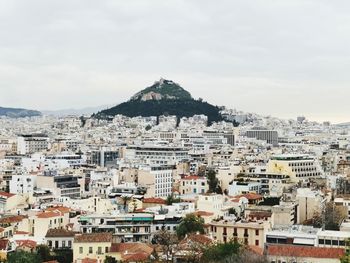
(59, 233)
(197, 238)
(154, 201)
(304, 251)
(5, 194)
(3, 244)
(48, 214)
(89, 260)
(21, 233)
(131, 247)
(94, 237)
(194, 177)
(11, 219)
(250, 196)
(203, 213)
(26, 243)
(61, 209)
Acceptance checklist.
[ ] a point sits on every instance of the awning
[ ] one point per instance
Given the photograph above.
(304, 241)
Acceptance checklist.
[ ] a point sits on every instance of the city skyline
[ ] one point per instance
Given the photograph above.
(282, 59)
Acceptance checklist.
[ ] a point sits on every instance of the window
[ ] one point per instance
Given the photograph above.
(50, 243)
(56, 244)
(257, 242)
(80, 250)
(257, 232)
(69, 243)
(90, 250)
(328, 242)
(99, 250)
(321, 241)
(63, 243)
(106, 249)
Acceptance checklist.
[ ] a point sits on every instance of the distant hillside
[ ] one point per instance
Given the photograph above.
(18, 113)
(162, 89)
(164, 97)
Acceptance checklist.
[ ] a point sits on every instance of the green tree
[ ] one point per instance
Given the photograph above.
(63, 255)
(44, 252)
(109, 259)
(171, 199)
(168, 242)
(23, 257)
(213, 183)
(221, 251)
(190, 224)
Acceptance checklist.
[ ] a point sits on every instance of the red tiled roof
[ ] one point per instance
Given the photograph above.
(94, 237)
(131, 247)
(89, 260)
(26, 243)
(48, 214)
(12, 219)
(304, 251)
(153, 200)
(194, 177)
(59, 233)
(3, 244)
(250, 196)
(203, 213)
(257, 250)
(61, 209)
(135, 257)
(7, 195)
(21, 233)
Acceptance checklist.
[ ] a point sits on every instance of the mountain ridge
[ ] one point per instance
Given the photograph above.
(18, 112)
(164, 97)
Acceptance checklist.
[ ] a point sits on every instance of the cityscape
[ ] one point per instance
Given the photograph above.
(165, 172)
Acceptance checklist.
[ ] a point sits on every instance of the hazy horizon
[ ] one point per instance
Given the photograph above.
(278, 58)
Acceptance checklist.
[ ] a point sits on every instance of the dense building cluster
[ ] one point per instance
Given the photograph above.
(106, 188)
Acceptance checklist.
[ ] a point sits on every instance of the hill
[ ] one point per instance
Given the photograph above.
(18, 113)
(164, 97)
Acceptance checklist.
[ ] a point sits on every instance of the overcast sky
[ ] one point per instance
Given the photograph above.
(281, 57)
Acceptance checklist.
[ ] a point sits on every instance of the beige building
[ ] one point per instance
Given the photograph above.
(193, 185)
(94, 246)
(250, 233)
(310, 203)
(297, 167)
(212, 203)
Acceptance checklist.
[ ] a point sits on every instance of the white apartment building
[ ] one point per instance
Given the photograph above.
(157, 155)
(193, 185)
(21, 184)
(158, 180)
(32, 143)
(238, 188)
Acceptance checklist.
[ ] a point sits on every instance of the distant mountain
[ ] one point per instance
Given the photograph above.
(164, 97)
(18, 113)
(76, 112)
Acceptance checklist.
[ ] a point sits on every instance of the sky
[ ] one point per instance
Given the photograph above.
(281, 58)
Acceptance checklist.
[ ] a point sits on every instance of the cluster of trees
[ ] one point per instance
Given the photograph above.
(331, 217)
(178, 107)
(41, 254)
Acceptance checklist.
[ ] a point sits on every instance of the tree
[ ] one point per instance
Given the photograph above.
(44, 252)
(109, 259)
(171, 199)
(346, 257)
(169, 243)
(213, 183)
(23, 257)
(221, 251)
(63, 255)
(190, 224)
(331, 217)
